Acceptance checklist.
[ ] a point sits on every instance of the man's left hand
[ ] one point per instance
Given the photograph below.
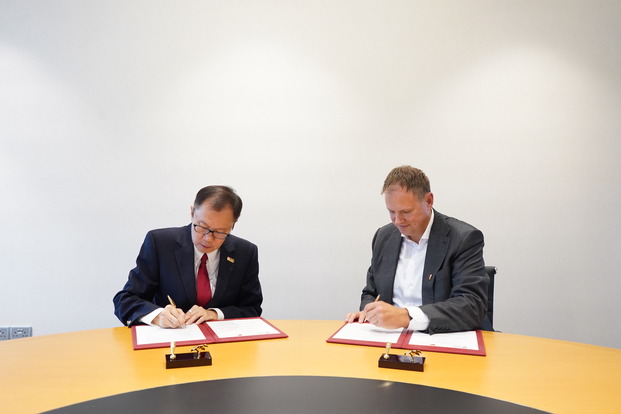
(198, 314)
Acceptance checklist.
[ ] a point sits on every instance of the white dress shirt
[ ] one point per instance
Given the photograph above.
(408, 287)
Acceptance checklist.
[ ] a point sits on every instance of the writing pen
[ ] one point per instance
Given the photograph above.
(376, 300)
(387, 353)
(172, 302)
(172, 348)
(174, 305)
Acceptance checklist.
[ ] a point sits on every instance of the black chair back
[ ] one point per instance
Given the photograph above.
(488, 323)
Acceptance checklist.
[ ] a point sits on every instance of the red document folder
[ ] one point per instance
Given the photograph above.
(403, 342)
(208, 335)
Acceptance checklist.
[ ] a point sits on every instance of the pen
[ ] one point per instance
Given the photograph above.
(376, 299)
(172, 302)
(174, 305)
(386, 355)
(172, 350)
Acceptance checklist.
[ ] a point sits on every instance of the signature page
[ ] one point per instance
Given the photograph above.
(368, 333)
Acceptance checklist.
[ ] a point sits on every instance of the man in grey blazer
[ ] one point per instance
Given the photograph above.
(427, 271)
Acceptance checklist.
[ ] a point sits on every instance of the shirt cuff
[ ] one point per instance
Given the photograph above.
(148, 318)
(219, 312)
(418, 320)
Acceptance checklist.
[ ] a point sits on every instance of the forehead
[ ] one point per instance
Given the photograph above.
(399, 196)
(206, 214)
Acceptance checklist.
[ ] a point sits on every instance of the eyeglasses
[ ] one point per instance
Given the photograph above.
(204, 230)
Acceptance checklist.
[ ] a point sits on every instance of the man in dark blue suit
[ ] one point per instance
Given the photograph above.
(427, 269)
(195, 273)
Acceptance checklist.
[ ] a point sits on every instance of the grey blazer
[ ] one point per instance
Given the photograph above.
(454, 279)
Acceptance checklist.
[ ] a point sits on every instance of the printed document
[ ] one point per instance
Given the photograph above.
(367, 332)
(457, 340)
(146, 334)
(241, 327)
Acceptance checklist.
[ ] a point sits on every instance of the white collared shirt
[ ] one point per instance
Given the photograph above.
(408, 287)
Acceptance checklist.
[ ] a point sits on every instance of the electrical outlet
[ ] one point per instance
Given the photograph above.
(4, 334)
(20, 332)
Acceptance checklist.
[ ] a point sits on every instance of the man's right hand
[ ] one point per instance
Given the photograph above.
(170, 317)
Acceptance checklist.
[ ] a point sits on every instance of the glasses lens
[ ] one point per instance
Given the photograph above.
(219, 235)
(204, 230)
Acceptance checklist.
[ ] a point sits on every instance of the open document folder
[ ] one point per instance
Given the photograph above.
(468, 342)
(228, 330)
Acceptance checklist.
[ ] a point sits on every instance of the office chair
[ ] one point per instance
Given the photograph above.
(491, 272)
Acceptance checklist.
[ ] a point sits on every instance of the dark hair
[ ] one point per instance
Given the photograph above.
(219, 197)
(410, 178)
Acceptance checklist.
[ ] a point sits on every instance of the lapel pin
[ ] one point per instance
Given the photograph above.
(230, 259)
(430, 276)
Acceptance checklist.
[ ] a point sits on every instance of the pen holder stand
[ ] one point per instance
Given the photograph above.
(407, 362)
(188, 360)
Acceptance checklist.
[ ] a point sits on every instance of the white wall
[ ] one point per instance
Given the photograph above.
(114, 113)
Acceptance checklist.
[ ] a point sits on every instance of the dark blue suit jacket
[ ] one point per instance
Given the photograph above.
(165, 266)
(454, 279)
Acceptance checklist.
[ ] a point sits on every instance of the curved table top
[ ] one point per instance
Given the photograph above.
(47, 372)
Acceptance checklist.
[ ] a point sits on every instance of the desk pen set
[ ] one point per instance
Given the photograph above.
(196, 358)
(412, 361)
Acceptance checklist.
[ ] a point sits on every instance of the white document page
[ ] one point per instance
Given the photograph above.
(367, 332)
(146, 334)
(459, 340)
(241, 327)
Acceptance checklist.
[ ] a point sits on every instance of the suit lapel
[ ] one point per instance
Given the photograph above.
(436, 252)
(393, 249)
(185, 263)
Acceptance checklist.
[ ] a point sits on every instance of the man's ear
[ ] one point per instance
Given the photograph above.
(429, 200)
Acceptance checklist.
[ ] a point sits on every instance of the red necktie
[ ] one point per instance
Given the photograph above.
(203, 288)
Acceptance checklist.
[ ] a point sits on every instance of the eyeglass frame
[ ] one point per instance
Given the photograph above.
(214, 233)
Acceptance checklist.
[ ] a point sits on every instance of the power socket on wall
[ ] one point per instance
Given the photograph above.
(14, 332)
(20, 332)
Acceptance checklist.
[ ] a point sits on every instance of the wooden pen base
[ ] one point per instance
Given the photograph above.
(188, 360)
(406, 362)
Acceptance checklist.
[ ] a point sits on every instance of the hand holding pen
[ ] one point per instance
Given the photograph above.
(171, 316)
(385, 315)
